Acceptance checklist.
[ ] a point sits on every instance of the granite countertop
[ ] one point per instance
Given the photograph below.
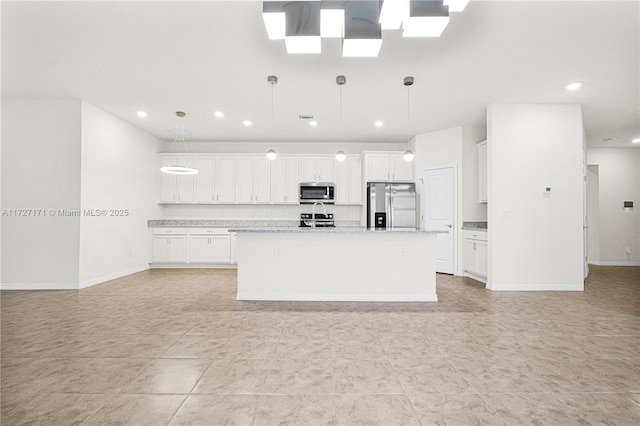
(338, 230)
(236, 224)
(474, 226)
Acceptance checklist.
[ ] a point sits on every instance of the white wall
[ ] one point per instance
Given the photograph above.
(40, 170)
(618, 181)
(535, 242)
(593, 215)
(118, 173)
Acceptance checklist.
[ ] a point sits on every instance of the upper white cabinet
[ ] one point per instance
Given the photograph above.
(317, 169)
(176, 189)
(225, 179)
(215, 181)
(349, 180)
(205, 179)
(285, 178)
(482, 172)
(253, 181)
(387, 167)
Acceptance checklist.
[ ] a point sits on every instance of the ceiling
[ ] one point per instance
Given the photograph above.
(204, 56)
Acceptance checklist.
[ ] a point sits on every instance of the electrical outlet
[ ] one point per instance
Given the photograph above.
(274, 252)
(627, 250)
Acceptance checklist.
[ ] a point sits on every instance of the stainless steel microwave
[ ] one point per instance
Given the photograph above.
(312, 192)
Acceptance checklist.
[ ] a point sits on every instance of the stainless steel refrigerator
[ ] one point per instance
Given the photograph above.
(391, 205)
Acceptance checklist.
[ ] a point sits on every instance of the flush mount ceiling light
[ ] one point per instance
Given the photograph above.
(636, 140)
(302, 27)
(379, 123)
(575, 85)
(426, 19)
(219, 114)
(247, 123)
(362, 29)
(142, 114)
(360, 22)
(179, 169)
(313, 123)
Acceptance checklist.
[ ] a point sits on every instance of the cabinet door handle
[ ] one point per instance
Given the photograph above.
(217, 198)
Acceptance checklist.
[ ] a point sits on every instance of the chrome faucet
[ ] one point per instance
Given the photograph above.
(313, 213)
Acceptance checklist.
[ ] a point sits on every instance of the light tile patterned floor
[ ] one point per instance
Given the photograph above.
(174, 347)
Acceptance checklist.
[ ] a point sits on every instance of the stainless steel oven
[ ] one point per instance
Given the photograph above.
(313, 192)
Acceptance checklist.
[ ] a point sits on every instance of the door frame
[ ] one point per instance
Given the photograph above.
(454, 226)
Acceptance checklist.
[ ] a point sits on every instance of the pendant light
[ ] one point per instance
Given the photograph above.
(272, 80)
(341, 80)
(408, 154)
(179, 169)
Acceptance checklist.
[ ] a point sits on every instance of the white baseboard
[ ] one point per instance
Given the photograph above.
(297, 297)
(38, 286)
(536, 287)
(193, 266)
(476, 277)
(614, 263)
(109, 277)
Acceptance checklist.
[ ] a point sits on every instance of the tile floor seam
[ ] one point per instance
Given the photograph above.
(98, 409)
(177, 410)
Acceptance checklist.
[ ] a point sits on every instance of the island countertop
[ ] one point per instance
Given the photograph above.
(338, 230)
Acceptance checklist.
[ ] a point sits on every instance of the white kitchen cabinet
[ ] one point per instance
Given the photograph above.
(387, 167)
(349, 180)
(285, 178)
(475, 254)
(234, 247)
(253, 180)
(482, 172)
(204, 188)
(317, 169)
(225, 179)
(209, 246)
(169, 245)
(174, 188)
(401, 170)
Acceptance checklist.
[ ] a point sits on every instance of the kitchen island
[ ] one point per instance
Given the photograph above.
(336, 264)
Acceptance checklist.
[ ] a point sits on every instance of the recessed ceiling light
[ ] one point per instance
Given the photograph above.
(219, 114)
(575, 85)
(607, 140)
(379, 123)
(313, 123)
(247, 123)
(142, 114)
(636, 140)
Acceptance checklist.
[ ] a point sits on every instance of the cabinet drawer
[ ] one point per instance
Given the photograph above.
(476, 235)
(169, 231)
(208, 231)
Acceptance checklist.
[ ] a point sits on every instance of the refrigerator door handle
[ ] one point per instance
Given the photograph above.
(389, 195)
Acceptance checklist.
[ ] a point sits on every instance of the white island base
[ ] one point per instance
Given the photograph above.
(336, 265)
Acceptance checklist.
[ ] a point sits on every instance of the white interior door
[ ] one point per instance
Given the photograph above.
(438, 209)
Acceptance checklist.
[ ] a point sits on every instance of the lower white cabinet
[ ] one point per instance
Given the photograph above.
(169, 245)
(207, 246)
(475, 253)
